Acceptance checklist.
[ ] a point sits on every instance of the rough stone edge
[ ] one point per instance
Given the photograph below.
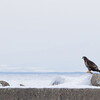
(50, 93)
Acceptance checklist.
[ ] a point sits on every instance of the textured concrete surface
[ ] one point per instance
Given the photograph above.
(49, 94)
(95, 80)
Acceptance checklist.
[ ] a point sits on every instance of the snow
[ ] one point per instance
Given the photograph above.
(75, 80)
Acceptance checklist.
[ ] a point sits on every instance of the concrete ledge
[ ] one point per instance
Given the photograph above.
(49, 94)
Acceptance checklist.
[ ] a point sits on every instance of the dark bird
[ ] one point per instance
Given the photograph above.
(90, 65)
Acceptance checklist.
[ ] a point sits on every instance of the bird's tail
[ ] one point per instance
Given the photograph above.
(98, 70)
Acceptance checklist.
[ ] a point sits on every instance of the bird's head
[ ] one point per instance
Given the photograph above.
(84, 57)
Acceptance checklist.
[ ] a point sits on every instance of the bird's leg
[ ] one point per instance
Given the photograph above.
(89, 71)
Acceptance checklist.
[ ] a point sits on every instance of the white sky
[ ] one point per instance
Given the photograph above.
(49, 35)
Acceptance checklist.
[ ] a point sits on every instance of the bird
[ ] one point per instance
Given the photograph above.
(90, 65)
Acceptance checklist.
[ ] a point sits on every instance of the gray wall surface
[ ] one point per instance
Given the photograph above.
(49, 94)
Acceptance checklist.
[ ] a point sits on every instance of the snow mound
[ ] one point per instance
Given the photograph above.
(57, 81)
(76, 81)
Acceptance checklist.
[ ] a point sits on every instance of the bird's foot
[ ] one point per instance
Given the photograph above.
(90, 72)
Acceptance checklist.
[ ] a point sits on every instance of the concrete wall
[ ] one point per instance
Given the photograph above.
(49, 94)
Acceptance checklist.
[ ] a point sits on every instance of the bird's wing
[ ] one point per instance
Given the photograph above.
(92, 65)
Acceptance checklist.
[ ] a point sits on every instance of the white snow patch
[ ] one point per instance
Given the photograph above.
(46, 80)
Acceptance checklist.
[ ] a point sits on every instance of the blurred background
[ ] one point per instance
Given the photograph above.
(48, 35)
